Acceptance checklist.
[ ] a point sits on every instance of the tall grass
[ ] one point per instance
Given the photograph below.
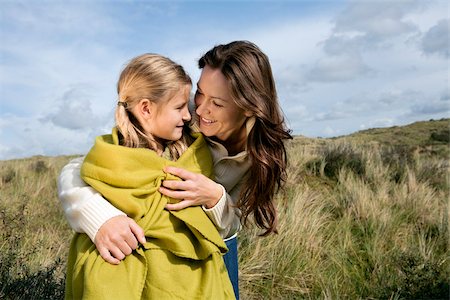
(33, 235)
(356, 221)
(364, 234)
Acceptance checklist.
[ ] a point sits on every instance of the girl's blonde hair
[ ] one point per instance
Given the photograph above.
(156, 78)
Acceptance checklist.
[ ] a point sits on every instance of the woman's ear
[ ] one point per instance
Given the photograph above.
(248, 113)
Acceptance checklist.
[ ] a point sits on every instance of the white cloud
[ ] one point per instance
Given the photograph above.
(431, 108)
(378, 123)
(445, 95)
(24, 137)
(436, 39)
(383, 122)
(328, 131)
(377, 20)
(361, 31)
(368, 26)
(338, 68)
(73, 111)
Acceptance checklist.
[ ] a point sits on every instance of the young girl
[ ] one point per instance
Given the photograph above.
(182, 255)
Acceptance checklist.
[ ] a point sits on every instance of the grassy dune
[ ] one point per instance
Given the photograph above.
(363, 216)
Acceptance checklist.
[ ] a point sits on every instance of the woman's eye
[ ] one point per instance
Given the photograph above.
(217, 104)
(198, 98)
(197, 95)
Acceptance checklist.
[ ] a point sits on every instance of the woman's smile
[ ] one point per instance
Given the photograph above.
(207, 121)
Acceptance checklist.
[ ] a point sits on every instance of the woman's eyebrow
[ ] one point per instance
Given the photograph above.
(215, 97)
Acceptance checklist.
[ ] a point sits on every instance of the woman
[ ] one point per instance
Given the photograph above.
(238, 111)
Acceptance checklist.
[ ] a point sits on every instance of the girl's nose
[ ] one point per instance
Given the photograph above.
(187, 115)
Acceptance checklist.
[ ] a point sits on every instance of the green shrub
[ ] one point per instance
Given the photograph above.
(398, 159)
(441, 136)
(416, 278)
(39, 167)
(8, 175)
(341, 156)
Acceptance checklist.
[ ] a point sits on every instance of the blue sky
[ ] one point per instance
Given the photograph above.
(339, 66)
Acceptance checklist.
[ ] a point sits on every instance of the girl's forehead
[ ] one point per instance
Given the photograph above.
(182, 93)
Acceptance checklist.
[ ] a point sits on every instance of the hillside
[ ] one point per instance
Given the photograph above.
(427, 137)
(423, 133)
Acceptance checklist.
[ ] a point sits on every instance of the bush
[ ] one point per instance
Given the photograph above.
(417, 278)
(8, 175)
(17, 279)
(42, 284)
(441, 136)
(398, 159)
(335, 157)
(39, 167)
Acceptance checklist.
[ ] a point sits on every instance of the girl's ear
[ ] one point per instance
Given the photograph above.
(146, 108)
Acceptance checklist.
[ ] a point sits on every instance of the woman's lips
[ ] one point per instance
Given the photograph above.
(206, 121)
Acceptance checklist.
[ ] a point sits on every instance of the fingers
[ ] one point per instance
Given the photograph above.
(175, 184)
(138, 232)
(121, 249)
(117, 238)
(174, 194)
(106, 255)
(182, 173)
(130, 242)
(180, 205)
(113, 251)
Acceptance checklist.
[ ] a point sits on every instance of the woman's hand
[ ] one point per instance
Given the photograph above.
(117, 238)
(195, 189)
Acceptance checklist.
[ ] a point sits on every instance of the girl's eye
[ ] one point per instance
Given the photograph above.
(182, 106)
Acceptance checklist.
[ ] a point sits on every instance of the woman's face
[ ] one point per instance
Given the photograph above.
(219, 116)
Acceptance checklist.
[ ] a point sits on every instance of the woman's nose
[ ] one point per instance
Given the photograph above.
(201, 108)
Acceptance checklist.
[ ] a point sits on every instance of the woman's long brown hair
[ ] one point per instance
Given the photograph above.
(252, 87)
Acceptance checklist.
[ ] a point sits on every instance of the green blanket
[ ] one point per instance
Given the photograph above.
(182, 258)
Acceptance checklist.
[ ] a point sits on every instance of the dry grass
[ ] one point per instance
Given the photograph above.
(360, 234)
(357, 220)
(34, 237)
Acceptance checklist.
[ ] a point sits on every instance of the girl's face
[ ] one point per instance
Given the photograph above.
(219, 116)
(167, 118)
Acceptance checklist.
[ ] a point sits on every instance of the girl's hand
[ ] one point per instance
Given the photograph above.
(195, 189)
(117, 238)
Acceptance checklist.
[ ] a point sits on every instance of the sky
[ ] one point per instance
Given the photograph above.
(339, 66)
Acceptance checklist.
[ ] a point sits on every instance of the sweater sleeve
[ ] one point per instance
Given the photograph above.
(225, 216)
(85, 209)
